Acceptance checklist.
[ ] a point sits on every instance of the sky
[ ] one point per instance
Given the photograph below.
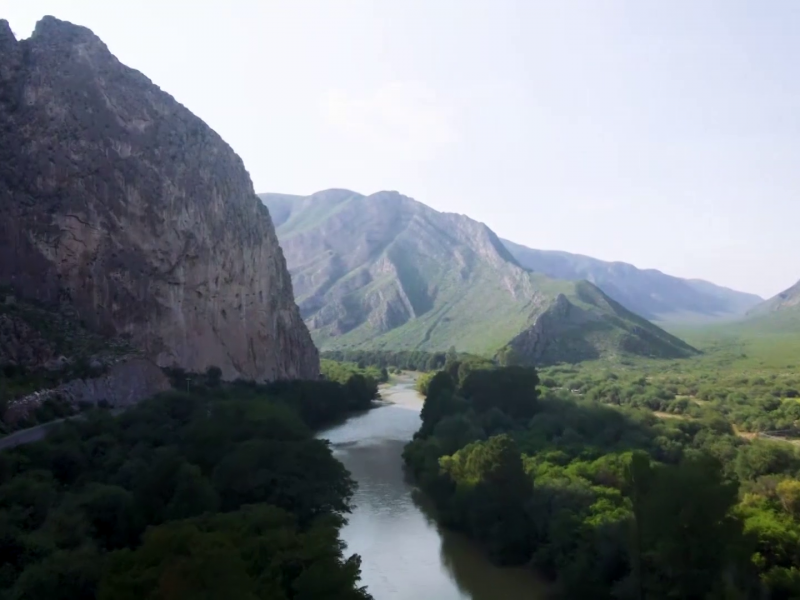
(664, 134)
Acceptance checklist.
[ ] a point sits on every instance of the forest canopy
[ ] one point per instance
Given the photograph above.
(608, 501)
(219, 493)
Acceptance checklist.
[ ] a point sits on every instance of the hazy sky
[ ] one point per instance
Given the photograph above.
(665, 134)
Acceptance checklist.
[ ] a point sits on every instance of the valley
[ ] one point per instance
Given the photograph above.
(211, 393)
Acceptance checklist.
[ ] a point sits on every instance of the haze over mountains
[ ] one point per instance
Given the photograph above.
(385, 271)
(650, 293)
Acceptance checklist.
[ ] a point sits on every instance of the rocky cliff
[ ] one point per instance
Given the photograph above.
(125, 384)
(117, 200)
(385, 271)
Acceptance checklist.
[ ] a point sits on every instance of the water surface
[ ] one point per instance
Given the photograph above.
(405, 555)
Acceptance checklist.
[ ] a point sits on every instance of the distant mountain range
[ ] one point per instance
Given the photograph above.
(385, 271)
(650, 293)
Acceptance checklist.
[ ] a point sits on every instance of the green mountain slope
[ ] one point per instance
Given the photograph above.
(780, 313)
(385, 271)
(650, 293)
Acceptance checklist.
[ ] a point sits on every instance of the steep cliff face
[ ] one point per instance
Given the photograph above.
(118, 200)
(385, 271)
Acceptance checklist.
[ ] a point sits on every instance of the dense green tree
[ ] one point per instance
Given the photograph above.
(179, 562)
(28, 498)
(627, 504)
(194, 495)
(788, 492)
(111, 513)
(96, 484)
(440, 401)
(213, 377)
(491, 496)
(512, 390)
(63, 575)
(257, 552)
(687, 537)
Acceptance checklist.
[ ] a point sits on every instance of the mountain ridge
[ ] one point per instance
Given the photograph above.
(655, 295)
(387, 271)
(779, 314)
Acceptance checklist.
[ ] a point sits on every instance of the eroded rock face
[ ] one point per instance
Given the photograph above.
(116, 198)
(127, 383)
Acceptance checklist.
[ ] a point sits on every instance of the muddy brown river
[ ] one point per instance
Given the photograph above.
(405, 554)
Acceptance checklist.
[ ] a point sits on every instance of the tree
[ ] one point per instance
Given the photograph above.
(492, 493)
(507, 356)
(194, 494)
(213, 376)
(63, 575)
(511, 389)
(788, 492)
(257, 553)
(178, 561)
(439, 402)
(111, 513)
(451, 356)
(686, 534)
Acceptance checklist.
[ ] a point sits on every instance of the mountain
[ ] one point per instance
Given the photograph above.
(779, 314)
(654, 295)
(385, 271)
(786, 301)
(120, 202)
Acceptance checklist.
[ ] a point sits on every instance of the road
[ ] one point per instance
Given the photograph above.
(26, 436)
(39, 432)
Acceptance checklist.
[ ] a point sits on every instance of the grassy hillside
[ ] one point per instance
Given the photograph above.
(386, 272)
(771, 343)
(779, 311)
(768, 339)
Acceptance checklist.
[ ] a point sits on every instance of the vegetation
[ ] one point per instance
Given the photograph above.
(342, 372)
(406, 360)
(217, 493)
(33, 335)
(42, 347)
(17, 381)
(752, 381)
(418, 279)
(358, 388)
(597, 491)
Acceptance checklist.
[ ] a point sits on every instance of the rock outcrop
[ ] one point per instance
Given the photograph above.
(126, 383)
(117, 200)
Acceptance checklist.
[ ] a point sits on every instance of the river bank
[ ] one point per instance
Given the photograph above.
(405, 554)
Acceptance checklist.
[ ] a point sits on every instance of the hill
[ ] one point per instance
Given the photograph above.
(779, 316)
(787, 302)
(385, 271)
(654, 295)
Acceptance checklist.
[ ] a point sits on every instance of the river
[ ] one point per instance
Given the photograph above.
(405, 554)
